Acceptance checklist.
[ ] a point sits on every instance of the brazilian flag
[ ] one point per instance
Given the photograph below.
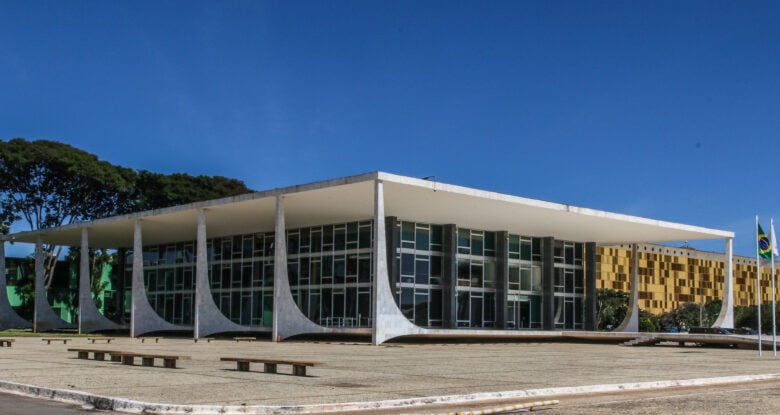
(764, 246)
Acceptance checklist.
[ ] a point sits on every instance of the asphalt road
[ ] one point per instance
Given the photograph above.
(755, 398)
(21, 405)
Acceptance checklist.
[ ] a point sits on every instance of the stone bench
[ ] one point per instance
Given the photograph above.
(6, 342)
(64, 340)
(144, 339)
(97, 354)
(206, 339)
(147, 359)
(96, 339)
(269, 365)
(244, 339)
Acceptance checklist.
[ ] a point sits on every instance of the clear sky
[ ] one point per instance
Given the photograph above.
(667, 110)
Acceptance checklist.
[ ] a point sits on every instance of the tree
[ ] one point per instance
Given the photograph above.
(649, 322)
(50, 184)
(155, 191)
(747, 316)
(612, 306)
(687, 315)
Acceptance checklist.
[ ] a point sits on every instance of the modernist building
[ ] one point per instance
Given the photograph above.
(376, 254)
(668, 277)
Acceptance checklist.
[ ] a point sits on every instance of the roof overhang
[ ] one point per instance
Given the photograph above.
(352, 198)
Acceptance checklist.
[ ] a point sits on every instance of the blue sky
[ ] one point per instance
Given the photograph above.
(667, 110)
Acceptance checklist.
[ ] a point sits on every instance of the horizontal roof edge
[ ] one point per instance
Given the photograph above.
(322, 184)
(486, 194)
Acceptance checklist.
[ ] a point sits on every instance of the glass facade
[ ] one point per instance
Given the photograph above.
(569, 281)
(419, 259)
(330, 270)
(524, 283)
(476, 288)
(241, 277)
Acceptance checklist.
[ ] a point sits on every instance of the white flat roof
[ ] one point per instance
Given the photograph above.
(352, 198)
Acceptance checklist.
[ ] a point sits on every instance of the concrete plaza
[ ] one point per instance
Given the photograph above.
(359, 372)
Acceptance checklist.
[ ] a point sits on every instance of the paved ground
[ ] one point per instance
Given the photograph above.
(359, 372)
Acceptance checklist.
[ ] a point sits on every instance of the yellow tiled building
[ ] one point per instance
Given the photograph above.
(669, 277)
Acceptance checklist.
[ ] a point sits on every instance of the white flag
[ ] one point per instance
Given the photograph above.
(774, 240)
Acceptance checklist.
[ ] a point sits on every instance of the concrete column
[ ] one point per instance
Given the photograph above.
(631, 322)
(548, 283)
(90, 318)
(591, 303)
(8, 317)
(502, 277)
(45, 318)
(389, 322)
(288, 319)
(726, 317)
(208, 318)
(449, 276)
(143, 318)
(138, 275)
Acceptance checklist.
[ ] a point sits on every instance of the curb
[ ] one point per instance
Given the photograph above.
(131, 406)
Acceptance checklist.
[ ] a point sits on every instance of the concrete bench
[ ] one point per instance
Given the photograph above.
(6, 342)
(128, 358)
(97, 339)
(206, 339)
(97, 354)
(269, 365)
(244, 339)
(64, 340)
(144, 339)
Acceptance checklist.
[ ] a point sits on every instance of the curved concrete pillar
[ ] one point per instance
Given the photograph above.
(208, 318)
(389, 321)
(44, 317)
(631, 322)
(288, 319)
(8, 317)
(726, 317)
(143, 318)
(90, 318)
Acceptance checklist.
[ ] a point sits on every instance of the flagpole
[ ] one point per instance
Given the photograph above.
(774, 326)
(758, 287)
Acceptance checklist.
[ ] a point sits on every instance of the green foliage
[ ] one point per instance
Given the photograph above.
(687, 315)
(747, 316)
(154, 190)
(50, 184)
(612, 306)
(649, 322)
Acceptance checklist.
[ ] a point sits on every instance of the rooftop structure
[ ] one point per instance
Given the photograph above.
(377, 254)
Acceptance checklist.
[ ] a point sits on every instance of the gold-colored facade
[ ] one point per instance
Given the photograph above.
(669, 277)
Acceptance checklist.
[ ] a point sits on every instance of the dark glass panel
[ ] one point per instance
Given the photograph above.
(423, 238)
(421, 310)
(421, 272)
(407, 231)
(365, 237)
(435, 308)
(407, 264)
